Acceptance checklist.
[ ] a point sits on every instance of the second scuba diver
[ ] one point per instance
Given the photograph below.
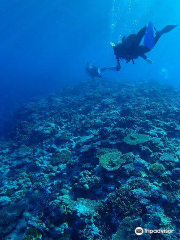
(131, 47)
(96, 72)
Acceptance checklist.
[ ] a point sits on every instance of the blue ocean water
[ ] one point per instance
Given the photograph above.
(45, 44)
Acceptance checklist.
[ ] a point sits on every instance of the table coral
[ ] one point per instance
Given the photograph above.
(134, 139)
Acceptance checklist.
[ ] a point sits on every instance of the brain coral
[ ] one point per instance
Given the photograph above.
(134, 139)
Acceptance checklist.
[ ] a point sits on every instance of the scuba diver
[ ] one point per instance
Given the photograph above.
(131, 47)
(96, 72)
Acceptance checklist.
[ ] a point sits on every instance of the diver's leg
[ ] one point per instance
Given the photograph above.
(140, 35)
(108, 68)
(157, 37)
(133, 40)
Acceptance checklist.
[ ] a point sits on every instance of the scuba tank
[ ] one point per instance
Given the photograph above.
(149, 38)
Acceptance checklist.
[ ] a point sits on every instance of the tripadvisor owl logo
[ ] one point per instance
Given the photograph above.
(139, 231)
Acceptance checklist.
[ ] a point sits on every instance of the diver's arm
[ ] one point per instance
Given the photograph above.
(118, 65)
(108, 68)
(144, 56)
(148, 60)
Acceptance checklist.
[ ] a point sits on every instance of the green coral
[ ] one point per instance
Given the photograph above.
(134, 139)
(128, 157)
(32, 234)
(111, 160)
(61, 158)
(157, 168)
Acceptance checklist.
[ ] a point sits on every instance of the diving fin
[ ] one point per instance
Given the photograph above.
(149, 40)
(167, 29)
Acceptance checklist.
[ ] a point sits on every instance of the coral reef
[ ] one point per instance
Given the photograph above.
(93, 161)
(111, 160)
(134, 139)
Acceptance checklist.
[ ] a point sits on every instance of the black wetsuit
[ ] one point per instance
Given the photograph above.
(93, 71)
(130, 47)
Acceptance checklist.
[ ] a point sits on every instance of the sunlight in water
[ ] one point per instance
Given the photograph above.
(113, 17)
(127, 14)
